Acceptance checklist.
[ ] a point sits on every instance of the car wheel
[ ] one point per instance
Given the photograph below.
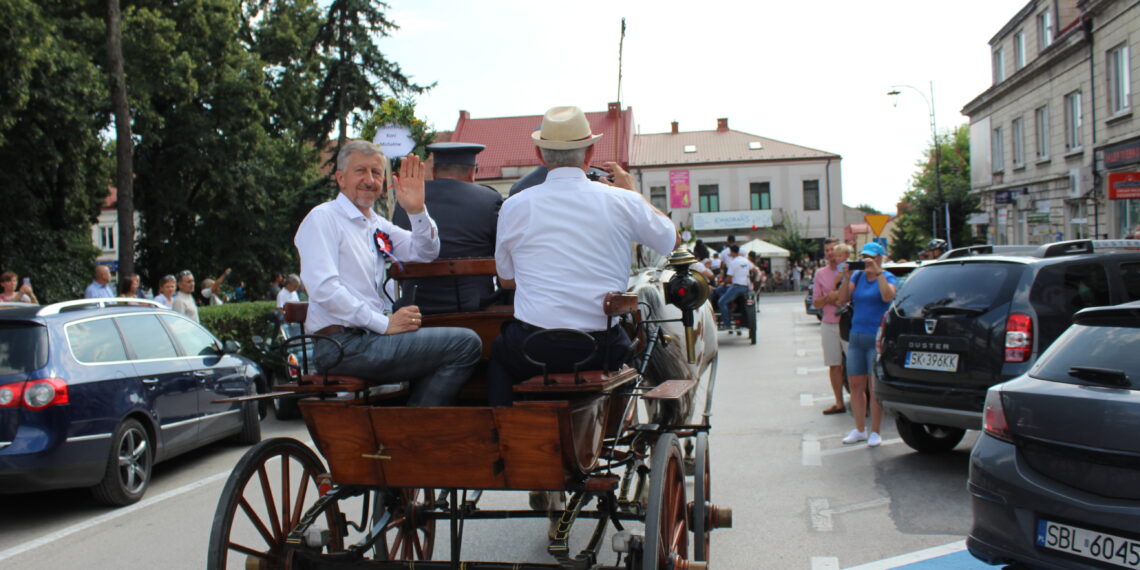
(262, 405)
(284, 408)
(128, 467)
(250, 425)
(928, 438)
(750, 319)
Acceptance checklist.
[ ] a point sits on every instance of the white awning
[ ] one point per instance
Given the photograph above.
(980, 218)
(764, 249)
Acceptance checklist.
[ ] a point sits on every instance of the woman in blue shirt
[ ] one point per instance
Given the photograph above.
(871, 291)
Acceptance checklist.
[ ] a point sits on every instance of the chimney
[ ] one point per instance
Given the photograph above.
(676, 127)
(614, 109)
(464, 115)
(722, 125)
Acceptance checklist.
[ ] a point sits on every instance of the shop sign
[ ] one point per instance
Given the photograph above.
(1037, 218)
(732, 220)
(1123, 185)
(1127, 152)
(1003, 197)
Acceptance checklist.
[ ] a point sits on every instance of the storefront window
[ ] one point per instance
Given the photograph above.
(1128, 215)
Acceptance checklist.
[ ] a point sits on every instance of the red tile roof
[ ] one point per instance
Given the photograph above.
(509, 144)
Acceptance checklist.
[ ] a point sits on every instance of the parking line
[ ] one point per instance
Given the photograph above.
(824, 563)
(120, 512)
(912, 557)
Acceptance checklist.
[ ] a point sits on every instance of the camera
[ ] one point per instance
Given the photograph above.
(597, 174)
(25, 282)
(857, 265)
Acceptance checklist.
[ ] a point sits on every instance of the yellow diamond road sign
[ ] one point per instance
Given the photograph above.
(877, 222)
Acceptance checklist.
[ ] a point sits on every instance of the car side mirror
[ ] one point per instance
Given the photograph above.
(231, 347)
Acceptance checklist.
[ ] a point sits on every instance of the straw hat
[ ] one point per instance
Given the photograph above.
(564, 128)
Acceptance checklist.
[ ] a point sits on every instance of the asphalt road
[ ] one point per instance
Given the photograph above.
(801, 499)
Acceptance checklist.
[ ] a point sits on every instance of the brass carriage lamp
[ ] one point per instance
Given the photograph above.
(688, 290)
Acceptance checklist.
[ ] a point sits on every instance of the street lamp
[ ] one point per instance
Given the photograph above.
(942, 204)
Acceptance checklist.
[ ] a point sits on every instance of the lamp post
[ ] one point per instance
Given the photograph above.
(942, 204)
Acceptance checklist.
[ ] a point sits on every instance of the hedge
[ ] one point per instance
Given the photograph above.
(239, 321)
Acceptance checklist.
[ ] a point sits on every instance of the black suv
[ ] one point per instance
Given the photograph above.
(979, 316)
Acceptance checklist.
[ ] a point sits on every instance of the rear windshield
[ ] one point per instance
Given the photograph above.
(1109, 348)
(23, 348)
(979, 286)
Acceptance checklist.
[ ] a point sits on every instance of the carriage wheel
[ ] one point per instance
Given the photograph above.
(701, 488)
(399, 516)
(270, 489)
(666, 521)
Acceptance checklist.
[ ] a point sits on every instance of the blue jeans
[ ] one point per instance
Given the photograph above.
(731, 293)
(437, 361)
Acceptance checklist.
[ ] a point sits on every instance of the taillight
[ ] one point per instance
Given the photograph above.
(35, 394)
(1018, 337)
(294, 367)
(994, 416)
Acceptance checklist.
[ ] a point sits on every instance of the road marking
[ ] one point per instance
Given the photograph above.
(912, 557)
(855, 447)
(120, 512)
(810, 451)
(807, 400)
(824, 563)
(804, 371)
(822, 513)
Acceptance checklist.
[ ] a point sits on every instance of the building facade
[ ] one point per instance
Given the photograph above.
(1053, 142)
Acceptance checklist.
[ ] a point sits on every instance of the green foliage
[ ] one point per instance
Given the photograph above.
(867, 209)
(915, 226)
(396, 112)
(239, 321)
(789, 234)
(53, 105)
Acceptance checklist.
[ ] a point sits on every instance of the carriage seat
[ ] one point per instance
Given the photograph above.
(614, 304)
(324, 383)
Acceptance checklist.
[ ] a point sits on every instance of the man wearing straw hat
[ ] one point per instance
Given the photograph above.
(563, 245)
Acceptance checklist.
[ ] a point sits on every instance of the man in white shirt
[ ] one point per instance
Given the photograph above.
(563, 245)
(288, 294)
(736, 283)
(100, 288)
(344, 247)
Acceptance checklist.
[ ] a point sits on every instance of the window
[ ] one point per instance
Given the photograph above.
(147, 337)
(999, 65)
(1041, 123)
(193, 339)
(1018, 132)
(107, 238)
(998, 150)
(1063, 289)
(1130, 276)
(1019, 50)
(1073, 120)
(811, 195)
(96, 341)
(710, 197)
(659, 198)
(1119, 82)
(761, 194)
(1044, 30)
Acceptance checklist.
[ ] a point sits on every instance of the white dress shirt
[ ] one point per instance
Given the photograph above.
(343, 268)
(566, 243)
(287, 296)
(738, 268)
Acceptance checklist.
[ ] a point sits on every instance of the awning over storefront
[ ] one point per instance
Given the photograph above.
(978, 219)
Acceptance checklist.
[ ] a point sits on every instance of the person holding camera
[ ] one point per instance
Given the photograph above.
(11, 294)
(870, 290)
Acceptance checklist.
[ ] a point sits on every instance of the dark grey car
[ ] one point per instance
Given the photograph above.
(1055, 478)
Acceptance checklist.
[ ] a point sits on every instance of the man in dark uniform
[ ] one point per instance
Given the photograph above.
(466, 214)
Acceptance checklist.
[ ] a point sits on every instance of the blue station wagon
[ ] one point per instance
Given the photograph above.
(94, 392)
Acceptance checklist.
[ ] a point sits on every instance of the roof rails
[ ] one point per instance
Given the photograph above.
(967, 251)
(1079, 246)
(57, 308)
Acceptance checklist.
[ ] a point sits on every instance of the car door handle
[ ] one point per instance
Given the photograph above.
(201, 374)
(150, 381)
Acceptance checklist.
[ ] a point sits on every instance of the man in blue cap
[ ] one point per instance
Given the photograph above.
(466, 214)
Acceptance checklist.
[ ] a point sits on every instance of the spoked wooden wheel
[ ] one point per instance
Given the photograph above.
(400, 516)
(666, 521)
(269, 491)
(701, 505)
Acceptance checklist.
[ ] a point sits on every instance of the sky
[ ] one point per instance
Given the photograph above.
(815, 74)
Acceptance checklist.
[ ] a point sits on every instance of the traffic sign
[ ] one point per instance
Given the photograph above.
(877, 222)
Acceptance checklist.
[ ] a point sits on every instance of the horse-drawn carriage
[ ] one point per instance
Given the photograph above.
(620, 444)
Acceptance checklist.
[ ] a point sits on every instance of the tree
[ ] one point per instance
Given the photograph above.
(52, 108)
(789, 234)
(124, 145)
(354, 68)
(923, 201)
(867, 209)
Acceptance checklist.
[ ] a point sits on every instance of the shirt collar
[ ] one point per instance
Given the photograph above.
(349, 209)
(566, 172)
